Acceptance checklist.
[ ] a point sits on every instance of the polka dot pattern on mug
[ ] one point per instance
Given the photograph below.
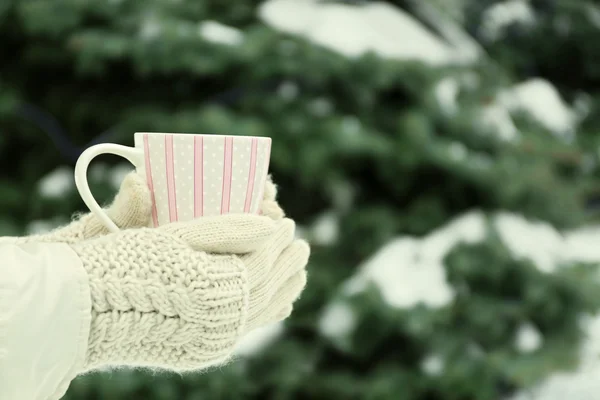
(214, 147)
(204, 175)
(184, 176)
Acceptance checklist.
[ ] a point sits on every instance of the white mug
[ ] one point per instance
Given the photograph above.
(189, 176)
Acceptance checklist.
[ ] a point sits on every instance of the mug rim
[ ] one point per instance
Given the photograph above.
(200, 134)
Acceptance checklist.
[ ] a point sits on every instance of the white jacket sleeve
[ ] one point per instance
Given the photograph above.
(44, 320)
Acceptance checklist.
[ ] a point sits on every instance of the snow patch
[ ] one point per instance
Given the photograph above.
(466, 48)
(325, 230)
(537, 98)
(529, 338)
(446, 92)
(496, 118)
(57, 183)
(469, 228)
(353, 30)
(216, 32)
(582, 245)
(257, 340)
(402, 280)
(433, 365)
(337, 321)
(537, 241)
(580, 384)
(542, 101)
(502, 15)
(410, 271)
(545, 246)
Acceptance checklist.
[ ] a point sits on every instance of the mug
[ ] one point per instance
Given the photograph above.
(189, 176)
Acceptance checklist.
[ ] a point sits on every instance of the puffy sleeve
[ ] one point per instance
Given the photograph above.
(45, 313)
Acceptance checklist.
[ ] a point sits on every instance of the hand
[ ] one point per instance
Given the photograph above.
(180, 296)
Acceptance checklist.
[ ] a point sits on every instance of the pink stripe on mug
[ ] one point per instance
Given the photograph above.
(172, 194)
(198, 176)
(251, 175)
(227, 166)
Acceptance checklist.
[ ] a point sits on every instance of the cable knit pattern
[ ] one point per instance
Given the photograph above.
(155, 302)
(159, 300)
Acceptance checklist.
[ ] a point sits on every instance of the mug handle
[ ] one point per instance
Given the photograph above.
(133, 155)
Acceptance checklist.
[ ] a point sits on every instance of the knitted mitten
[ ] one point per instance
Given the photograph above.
(269, 206)
(131, 208)
(166, 298)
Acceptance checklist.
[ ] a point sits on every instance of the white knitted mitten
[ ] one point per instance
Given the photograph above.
(165, 298)
(131, 208)
(269, 206)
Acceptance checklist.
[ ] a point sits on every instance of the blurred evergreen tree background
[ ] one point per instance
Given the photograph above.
(440, 156)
